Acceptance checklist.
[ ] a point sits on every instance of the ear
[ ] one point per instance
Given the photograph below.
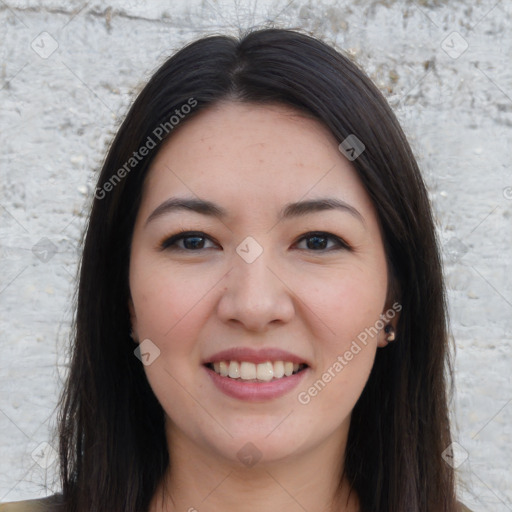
(390, 316)
(133, 320)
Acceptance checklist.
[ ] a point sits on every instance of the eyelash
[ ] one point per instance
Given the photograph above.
(169, 243)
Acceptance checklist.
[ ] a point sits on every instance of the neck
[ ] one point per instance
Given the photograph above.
(198, 480)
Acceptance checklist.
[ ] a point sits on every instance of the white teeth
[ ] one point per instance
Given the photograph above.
(278, 369)
(234, 369)
(250, 371)
(223, 368)
(265, 371)
(247, 371)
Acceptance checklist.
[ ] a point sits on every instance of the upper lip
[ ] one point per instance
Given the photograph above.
(252, 355)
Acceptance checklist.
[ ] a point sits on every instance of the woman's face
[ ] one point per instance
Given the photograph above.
(256, 252)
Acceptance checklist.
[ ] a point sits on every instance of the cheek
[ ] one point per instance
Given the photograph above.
(172, 305)
(168, 300)
(347, 308)
(345, 347)
(171, 308)
(348, 302)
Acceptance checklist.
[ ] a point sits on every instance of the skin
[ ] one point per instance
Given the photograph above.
(252, 160)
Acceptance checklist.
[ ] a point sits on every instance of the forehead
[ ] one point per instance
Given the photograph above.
(252, 154)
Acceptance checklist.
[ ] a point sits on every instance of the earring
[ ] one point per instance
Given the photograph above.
(390, 331)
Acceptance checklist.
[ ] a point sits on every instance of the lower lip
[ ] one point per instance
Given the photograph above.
(255, 391)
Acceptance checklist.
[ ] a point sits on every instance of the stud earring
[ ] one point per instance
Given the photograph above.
(390, 331)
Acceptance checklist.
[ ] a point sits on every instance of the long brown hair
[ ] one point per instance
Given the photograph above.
(113, 449)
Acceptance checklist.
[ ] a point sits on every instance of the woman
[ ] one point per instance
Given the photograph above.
(261, 315)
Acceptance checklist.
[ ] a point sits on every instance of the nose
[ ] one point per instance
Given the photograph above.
(255, 297)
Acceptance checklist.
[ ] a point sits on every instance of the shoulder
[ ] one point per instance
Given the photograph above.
(50, 504)
(462, 508)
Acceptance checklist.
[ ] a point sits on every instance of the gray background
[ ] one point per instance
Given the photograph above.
(69, 71)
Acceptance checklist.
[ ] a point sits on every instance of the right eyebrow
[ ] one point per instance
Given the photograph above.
(196, 205)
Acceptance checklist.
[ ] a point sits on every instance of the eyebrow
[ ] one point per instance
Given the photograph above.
(297, 209)
(317, 205)
(196, 205)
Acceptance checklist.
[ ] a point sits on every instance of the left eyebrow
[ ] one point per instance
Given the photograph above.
(317, 205)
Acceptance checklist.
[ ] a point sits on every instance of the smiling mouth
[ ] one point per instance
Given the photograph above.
(256, 372)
